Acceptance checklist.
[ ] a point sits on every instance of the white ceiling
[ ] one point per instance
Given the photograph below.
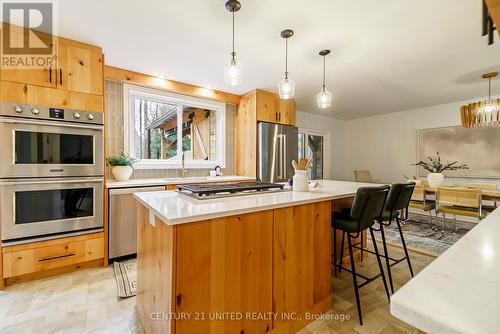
(388, 55)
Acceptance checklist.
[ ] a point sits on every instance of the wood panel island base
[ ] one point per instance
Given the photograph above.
(263, 271)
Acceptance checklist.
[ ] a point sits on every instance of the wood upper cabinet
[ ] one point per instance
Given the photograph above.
(80, 67)
(44, 76)
(270, 108)
(267, 106)
(286, 110)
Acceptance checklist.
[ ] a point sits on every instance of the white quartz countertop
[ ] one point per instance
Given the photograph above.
(174, 208)
(178, 180)
(460, 291)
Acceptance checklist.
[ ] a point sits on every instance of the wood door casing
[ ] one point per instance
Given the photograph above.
(80, 67)
(225, 265)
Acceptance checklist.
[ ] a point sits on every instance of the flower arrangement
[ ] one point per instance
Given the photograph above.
(435, 165)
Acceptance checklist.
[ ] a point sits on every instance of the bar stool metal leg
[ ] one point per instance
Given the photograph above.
(386, 253)
(380, 264)
(341, 252)
(354, 280)
(335, 252)
(362, 248)
(404, 247)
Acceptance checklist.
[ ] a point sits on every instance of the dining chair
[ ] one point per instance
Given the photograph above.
(363, 175)
(420, 201)
(460, 201)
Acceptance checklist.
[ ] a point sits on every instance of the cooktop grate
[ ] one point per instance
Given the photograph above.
(206, 191)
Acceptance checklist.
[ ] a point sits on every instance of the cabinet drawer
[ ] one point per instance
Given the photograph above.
(49, 257)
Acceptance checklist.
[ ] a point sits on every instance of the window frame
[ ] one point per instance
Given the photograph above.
(130, 92)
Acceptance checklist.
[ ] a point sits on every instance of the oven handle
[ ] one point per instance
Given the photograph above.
(67, 125)
(15, 183)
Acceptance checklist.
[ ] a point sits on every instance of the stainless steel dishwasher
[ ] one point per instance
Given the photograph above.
(122, 220)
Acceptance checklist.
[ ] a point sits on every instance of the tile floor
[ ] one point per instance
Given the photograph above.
(85, 302)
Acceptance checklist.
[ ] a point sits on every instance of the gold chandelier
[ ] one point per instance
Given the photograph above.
(483, 113)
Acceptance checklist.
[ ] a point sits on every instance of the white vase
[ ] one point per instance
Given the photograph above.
(122, 173)
(300, 181)
(435, 179)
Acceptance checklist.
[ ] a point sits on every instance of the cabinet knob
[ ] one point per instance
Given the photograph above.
(18, 109)
(76, 115)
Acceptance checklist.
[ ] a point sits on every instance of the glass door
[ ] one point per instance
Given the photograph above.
(314, 145)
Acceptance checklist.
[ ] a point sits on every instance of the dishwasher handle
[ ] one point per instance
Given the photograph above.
(130, 191)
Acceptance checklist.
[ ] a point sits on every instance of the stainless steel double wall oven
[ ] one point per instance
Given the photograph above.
(51, 172)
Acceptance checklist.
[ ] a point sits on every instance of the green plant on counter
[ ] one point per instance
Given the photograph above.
(435, 165)
(120, 160)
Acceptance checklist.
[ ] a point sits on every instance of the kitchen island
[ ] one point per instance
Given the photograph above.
(249, 264)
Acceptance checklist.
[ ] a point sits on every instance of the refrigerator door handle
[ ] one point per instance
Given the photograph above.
(285, 162)
(280, 156)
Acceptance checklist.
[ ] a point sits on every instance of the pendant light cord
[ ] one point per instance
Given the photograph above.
(233, 54)
(286, 58)
(489, 89)
(324, 70)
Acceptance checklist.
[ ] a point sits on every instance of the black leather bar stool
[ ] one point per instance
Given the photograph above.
(398, 200)
(368, 205)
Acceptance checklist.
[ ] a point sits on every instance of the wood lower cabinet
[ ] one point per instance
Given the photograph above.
(216, 275)
(80, 67)
(229, 270)
(48, 255)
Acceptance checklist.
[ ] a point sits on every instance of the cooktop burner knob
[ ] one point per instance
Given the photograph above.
(35, 111)
(76, 115)
(90, 117)
(18, 109)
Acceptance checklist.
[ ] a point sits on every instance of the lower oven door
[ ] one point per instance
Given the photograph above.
(44, 207)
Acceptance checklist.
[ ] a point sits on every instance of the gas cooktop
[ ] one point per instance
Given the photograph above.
(211, 191)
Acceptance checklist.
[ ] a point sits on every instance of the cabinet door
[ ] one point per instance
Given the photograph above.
(80, 67)
(286, 109)
(267, 107)
(40, 76)
(225, 265)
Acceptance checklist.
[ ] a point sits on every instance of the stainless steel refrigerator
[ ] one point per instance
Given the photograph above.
(277, 146)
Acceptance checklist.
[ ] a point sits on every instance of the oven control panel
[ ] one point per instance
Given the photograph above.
(50, 113)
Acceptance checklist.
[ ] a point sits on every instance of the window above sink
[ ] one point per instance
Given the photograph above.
(160, 125)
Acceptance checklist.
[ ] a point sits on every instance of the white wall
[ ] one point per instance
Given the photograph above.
(387, 144)
(336, 128)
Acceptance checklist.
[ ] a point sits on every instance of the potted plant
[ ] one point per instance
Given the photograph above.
(121, 166)
(436, 168)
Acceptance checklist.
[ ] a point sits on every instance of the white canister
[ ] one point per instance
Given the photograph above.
(300, 181)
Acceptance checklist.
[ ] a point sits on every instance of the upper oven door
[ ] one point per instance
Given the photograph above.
(37, 148)
(41, 207)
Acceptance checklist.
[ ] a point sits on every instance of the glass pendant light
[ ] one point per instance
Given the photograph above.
(286, 87)
(324, 98)
(233, 70)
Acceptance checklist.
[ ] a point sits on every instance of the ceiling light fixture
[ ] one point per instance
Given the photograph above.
(286, 87)
(324, 98)
(483, 113)
(233, 70)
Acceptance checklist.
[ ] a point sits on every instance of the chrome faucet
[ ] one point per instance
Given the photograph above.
(184, 171)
